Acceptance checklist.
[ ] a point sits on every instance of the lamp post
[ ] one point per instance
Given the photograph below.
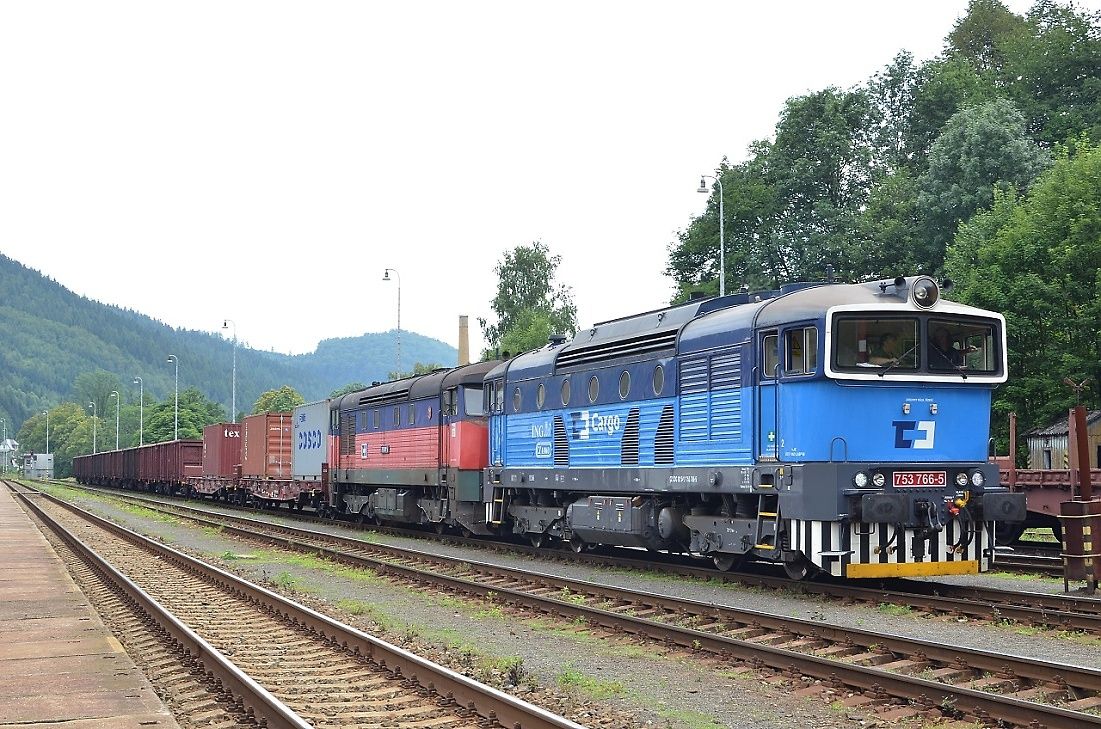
(176, 418)
(47, 414)
(4, 443)
(93, 406)
(141, 409)
(118, 406)
(233, 396)
(386, 277)
(722, 220)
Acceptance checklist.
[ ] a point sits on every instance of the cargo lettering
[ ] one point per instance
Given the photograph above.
(585, 422)
(309, 440)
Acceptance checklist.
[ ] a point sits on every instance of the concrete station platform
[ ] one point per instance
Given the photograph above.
(59, 665)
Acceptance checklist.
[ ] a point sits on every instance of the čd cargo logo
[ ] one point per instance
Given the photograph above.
(914, 433)
(584, 423)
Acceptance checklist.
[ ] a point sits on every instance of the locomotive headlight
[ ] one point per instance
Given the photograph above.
(977, 479)
(961, 479)
(860, 480)
(925, 292)
(878, 479)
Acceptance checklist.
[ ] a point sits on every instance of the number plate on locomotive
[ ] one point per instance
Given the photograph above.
(920, 478)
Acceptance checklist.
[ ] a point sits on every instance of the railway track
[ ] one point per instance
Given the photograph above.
(927, 676)
(291, 667)
(1031, 560)
(973, 602)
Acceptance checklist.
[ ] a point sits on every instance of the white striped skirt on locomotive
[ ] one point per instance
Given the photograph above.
(884, 550)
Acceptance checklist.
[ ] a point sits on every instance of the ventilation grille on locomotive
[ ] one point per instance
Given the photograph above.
(663, 441)
(347, 434)
(628, 447)
(385, 397)
(561, 443)
(592, 354)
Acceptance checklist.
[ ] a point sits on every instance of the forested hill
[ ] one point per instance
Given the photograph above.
(49, 336)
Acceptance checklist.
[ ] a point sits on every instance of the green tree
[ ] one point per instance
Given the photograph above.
(981, 148)
(1037, 259)
(750, 205)
(196, 412)
(96, 386)
(981, 36)
(284, 399)
(944, 86)
(1053, 72)
(890, 228)
(820, 168)
(526, 283)
(70, 435)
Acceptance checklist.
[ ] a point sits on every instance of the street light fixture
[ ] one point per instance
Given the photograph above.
(176, 418)
(386, 277)
(118, 406)
(233, 397)
(93, 406)
(141, 409)
(722, 220)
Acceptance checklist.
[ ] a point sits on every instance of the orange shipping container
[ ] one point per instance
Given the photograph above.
(266, 446)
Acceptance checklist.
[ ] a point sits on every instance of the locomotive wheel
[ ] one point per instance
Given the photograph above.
(1008, 534)
(441, 527)
(799, 569)
(726, 562)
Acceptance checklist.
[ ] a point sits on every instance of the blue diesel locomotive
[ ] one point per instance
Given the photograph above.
(833, 427)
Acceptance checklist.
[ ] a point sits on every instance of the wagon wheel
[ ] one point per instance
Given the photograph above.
(577, 544)
(536, 539)
(1008, 534)
(727, 562)
(799, 568)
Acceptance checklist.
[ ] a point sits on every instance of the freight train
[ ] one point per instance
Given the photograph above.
(835, 428)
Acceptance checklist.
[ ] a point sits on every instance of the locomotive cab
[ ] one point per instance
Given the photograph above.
(889, 432)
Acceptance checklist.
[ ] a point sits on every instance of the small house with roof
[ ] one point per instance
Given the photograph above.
(1048, 445)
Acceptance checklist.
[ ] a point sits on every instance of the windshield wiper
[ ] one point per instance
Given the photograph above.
(897, 360)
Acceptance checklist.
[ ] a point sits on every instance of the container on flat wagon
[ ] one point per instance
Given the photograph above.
(266, 441)
(221, 450)
(310, 431)
(171, 462)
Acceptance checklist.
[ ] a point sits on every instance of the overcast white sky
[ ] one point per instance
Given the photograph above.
(265, 161)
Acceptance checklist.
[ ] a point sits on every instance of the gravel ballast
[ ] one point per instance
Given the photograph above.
(610, 681)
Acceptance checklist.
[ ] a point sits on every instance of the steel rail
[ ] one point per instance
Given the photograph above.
(486, 701)
(256, 699)
(865, 678)
(987, 603)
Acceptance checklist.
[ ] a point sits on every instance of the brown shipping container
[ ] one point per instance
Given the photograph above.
(172, 462)
(221, 449)
(266, 450)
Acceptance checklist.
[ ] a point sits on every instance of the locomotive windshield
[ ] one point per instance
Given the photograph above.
(910, 344)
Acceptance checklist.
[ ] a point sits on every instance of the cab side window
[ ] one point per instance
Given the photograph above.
(801, 351)
(770, 355)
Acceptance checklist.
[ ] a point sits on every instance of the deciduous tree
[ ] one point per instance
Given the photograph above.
(1037, 260)
(526, 288)
(284, 399)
